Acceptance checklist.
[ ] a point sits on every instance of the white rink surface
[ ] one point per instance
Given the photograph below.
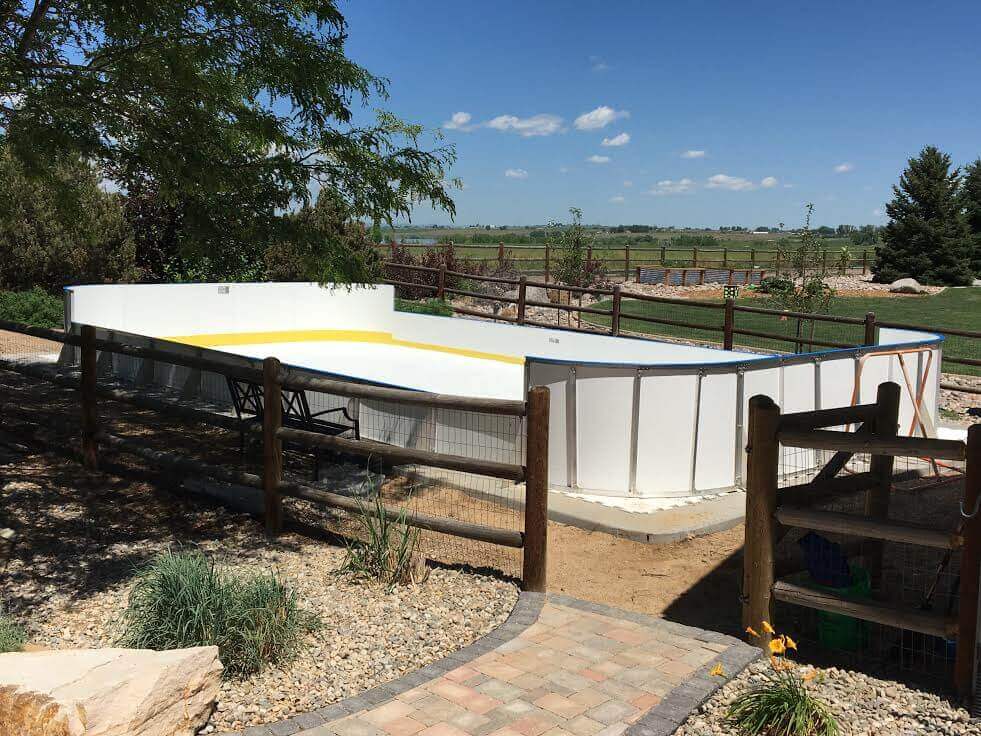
(398, 366)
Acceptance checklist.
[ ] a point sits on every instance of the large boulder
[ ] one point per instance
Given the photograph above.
(907, 286)
(108, 692)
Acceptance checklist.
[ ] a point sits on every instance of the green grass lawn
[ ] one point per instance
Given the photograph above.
(953, 308)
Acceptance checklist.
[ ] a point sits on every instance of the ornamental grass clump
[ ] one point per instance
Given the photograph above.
(385, 548)
(782, 704)
(181, 599)
(12, 635)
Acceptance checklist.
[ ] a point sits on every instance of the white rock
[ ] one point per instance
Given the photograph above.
(907, 286)
(108, 692)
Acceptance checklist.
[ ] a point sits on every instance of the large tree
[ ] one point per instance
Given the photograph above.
(60, 229)
(927, 236)
(971, 195)
(228, 111)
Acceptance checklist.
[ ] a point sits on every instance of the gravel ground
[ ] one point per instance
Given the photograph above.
(81, 536)
(863, 705)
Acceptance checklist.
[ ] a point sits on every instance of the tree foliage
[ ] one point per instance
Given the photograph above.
(927, 236)
(226, 111)
(60, 229)
(323, 243)
(971, 196)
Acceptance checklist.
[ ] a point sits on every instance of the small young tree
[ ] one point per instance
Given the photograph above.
(574, 266)
(806, 290)
(927, 236)
(971, 198)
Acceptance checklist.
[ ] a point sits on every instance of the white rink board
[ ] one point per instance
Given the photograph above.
(628, 417)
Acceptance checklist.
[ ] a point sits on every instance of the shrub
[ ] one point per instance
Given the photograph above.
(782, 705)
(12, 636)
(35, 307)
(423, 283)
(427, 306)
(385, 548)
(775, 285)
(182, 600)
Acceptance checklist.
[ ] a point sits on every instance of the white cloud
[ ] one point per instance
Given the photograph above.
(769, 182)
(620, 139)
(597, 64)
(844, 168)
(618, 199)
(628, 183)
(542, 124)
(732, 183)
(594, 159)
(693, 154)
(516, 173)
(599, 118)
(459, 121)
(671, 186)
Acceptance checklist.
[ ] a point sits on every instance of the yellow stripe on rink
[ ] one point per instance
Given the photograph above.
(228, 339)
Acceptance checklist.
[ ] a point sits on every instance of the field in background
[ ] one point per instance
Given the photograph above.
(951, 309)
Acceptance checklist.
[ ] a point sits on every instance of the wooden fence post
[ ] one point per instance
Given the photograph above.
(824, 262)
(272, 446)
(500, 253)
(522, 290)
(662, 255)
(725, 258)
(728, 323)
(967, 613)
(752, 257)
(626, 263)
(763, 456)
(547, 261)
(90, 417)
(869, 338)
(776, 266)
(887, 399)
(615, 321)
(441, 284)
(865, 261)
(533, 576)
(694, 256)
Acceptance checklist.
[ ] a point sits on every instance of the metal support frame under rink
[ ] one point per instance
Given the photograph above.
(630, 418)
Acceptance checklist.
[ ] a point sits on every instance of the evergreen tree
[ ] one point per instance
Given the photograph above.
(971, 196)
(927, 236)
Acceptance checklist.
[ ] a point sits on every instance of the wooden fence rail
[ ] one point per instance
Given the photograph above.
(725, 321)
(274, 377)
(770, 511)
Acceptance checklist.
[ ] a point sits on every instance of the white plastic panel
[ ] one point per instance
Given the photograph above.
(604, 403)
(555, 377)
(715, 459)
(837, 382)
(666, 432)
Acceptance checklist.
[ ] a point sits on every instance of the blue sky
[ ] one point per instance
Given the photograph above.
(728, 112)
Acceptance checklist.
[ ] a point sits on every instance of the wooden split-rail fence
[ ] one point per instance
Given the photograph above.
(771, 511)
(274, 378)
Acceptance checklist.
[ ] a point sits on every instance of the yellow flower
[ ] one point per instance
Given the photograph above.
(777, 646)
(717, 671)
(790, 643)
(767, 628)
(752, 632)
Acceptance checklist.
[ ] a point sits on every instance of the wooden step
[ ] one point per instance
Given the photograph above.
(864, 526)
(903, 618)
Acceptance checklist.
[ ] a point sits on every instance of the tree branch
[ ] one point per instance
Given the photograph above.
(30, 28)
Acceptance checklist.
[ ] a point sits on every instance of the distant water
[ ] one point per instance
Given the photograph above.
(418, 241)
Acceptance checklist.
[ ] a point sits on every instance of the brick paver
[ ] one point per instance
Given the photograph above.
(580, 670)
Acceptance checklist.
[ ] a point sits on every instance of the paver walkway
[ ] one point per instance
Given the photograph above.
(557, 667)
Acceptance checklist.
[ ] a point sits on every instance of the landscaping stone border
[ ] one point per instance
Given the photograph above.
(661, 720)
